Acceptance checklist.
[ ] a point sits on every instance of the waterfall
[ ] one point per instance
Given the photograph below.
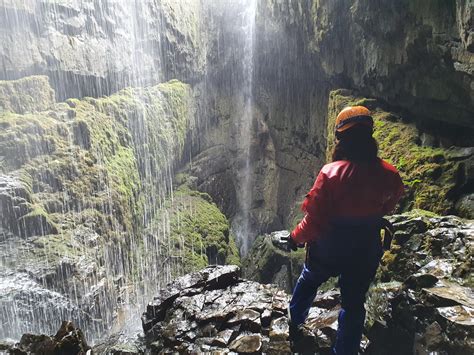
(242, 224)
(92, 168)
(107, 278)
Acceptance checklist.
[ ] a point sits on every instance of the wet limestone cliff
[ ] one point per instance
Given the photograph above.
(414, 57)
(92, 48)
(84, 200)
(133, 135)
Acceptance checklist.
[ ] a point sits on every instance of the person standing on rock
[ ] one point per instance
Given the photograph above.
(341, 229)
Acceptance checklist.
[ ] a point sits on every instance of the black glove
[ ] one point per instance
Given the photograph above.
(290, 243)
(292, 246)
(283, 241)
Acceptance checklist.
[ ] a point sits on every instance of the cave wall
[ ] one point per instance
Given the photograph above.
(86, 217)
(417, 56)
(413, 56)
(94, 47)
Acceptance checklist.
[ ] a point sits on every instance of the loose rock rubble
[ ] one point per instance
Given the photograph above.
(422, 300)
(215, 310)
(428, 305)
(68, 340)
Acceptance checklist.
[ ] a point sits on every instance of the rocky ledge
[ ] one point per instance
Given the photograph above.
(214, 310)
(422, 302)
(67, 340)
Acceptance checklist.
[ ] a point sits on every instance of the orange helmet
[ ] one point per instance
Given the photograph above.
(353, 115)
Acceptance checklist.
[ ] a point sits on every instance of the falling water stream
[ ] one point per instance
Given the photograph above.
(242, 221)
(106, 289)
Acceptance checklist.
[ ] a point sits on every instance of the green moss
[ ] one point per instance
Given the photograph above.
(429, 176)
(98, 165)
(25, 137)
(198, 230)
(36, 222)
(58, 246)
(420, 213)
(29, 94)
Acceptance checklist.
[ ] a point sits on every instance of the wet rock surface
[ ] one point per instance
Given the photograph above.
(216, 310)
(68, 340)
(422, 297)
(89, 48)
(425, 302)
(425, 68)
(428, 309)
(74, 181)
(268, 264)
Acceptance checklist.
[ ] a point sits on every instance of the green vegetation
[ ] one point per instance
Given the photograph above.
(91, 165)
(94, 166)
(428, 175)
(199, 232)
(36, 222)
(29, 94)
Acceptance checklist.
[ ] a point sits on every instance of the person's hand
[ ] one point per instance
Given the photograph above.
(283, 241)
(290, 243)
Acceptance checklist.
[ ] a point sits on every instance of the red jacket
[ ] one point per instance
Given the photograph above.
(344, 189)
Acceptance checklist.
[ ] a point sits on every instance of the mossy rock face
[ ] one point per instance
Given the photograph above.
(36, 222)
(29, 94)
(199, 232)
(431, 175)
(105, 154)
(266, 264)
(78, 182)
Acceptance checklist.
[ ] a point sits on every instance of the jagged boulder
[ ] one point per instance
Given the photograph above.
(69, 340)
(426, 303)
(435, 319)
(214, 310)
(422, 297)
(426, 244)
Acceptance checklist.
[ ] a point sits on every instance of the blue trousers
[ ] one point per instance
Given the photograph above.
(355, 265)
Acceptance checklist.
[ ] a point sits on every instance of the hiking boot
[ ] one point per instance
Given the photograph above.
(295, 333)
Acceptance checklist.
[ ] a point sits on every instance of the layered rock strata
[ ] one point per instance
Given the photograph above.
(84, 193)
(67, 340)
